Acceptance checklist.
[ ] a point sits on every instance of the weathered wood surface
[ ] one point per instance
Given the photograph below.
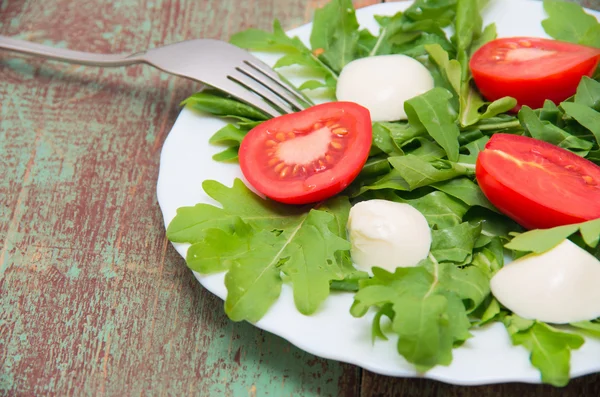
(93, 300)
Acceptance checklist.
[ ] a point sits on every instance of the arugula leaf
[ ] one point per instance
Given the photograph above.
(335, 34)
(311, 263)
(586, 116)
(542, 240)
(592, 327)
(256, 239)
(221, 106)
(382, 138)
(550, 348)
(569, 22)
(431, 112)
(228, 155)
(238, 202)
(253, 281)
(456, 243)
(451, 69)
(548, 132)
(588, 93)
(429, 319)
(466, 191)
(294, 51)
(418, 173)
(440, 210)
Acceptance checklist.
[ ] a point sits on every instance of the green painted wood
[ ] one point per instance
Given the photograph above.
(93, 300)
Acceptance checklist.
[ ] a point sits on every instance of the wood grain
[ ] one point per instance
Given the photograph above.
(93, 299)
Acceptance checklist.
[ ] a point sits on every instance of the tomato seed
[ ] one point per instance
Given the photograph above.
(340, 131)
(273, 161)
(284, 172)
(589, 180)
(329, 158)
(280, 136)
(270, 143)
(336, 145)
(279, 167)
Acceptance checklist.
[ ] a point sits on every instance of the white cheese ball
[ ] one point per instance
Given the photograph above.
(388, 235)
(383, 83)
(558, 286)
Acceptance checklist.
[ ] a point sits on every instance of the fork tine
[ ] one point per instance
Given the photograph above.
(247, 81)
(280, 87)
(244, 95)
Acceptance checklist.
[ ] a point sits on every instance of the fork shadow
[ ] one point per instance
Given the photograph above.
(142, 79)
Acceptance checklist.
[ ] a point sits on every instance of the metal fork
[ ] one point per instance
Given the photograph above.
(216, 63)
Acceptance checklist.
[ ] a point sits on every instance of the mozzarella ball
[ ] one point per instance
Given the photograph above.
(383, 83)
(388, 235)
(558, 286)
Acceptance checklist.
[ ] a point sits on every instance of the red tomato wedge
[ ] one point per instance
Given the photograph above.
(537, 184)
(307, 156)
(531, 70)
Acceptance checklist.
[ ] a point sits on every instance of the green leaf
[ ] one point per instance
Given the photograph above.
(222, 107)
(489, 33)
(293, 50)
(586, 116)
(590, 231)
(491, 313)
(335, 33)
(541, 240)
(423, 326)
(454, 244)
(382, 139)
(588, 93)
(429, 319)
(468, 24)
(418, 173)
(228, 135)
(312, 263)
(499, 106)
(229, 154)
(470, 283)
(451, 69)
(592, 327)
(549, 132)
(238, 202)
(431, 111)
(550, 349)
(253, 282)
(569, 22)
(217, 249)
(474, 148)
(440, 210)
(256, 239)
(466, 191)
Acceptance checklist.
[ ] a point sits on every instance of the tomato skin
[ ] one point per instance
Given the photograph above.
(254, 155)
(554, 76)
(537, 184)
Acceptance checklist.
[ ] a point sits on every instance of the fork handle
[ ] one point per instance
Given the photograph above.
(59, 54)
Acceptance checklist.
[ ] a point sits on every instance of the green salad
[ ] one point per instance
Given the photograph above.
(429, 161)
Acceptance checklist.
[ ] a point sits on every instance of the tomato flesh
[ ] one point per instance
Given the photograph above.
(307, 156)
(537, 184)
(531, 70)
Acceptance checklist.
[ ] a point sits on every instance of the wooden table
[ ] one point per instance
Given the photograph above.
(93, 299)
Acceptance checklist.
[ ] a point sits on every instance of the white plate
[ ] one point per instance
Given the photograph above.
(333, 333)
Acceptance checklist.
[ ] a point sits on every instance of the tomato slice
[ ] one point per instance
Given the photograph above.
(537, 184)
(531, 70)
(307, 156)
